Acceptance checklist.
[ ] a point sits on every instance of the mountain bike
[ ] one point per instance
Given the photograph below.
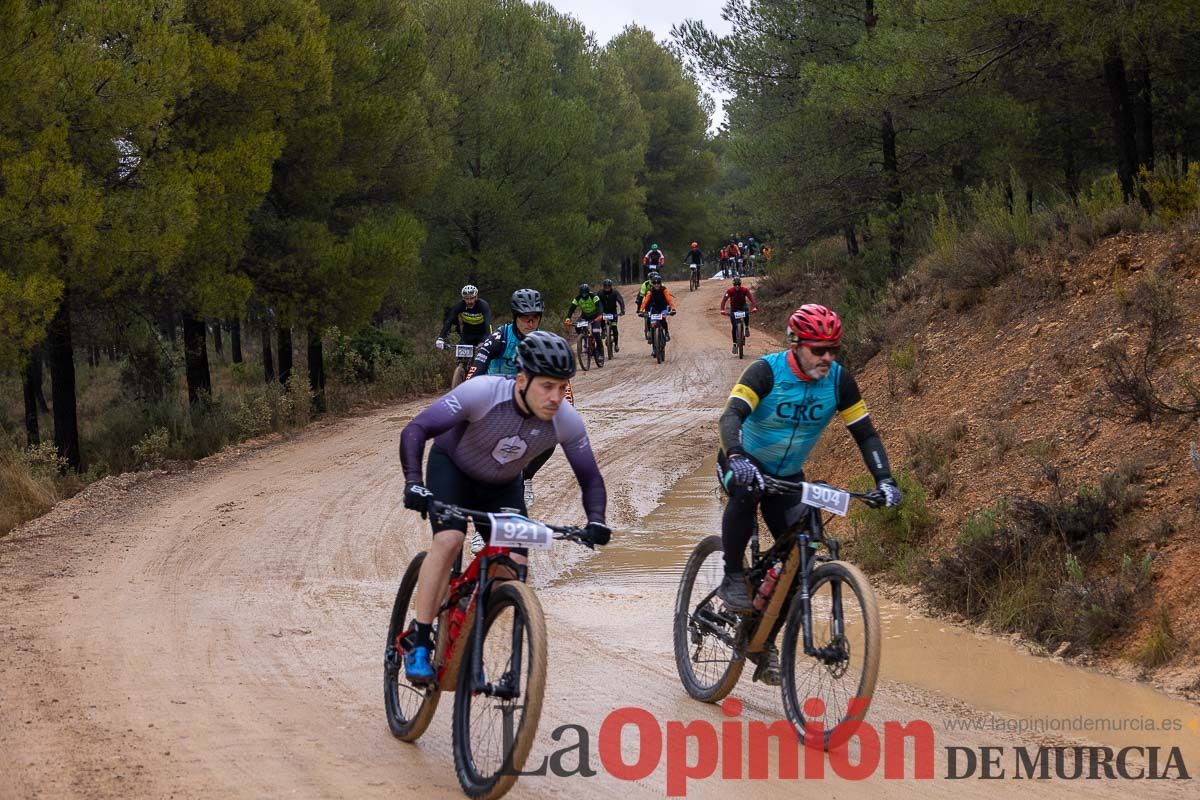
(658, 333)
(694, 280)
(464, 354)
(610, 334)
(490, 650)
(825, 607)
(586, 344)
(739, 328)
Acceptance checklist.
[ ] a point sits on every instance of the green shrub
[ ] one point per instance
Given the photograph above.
(892, 539)
(257, 413)
(43, 460)
(151, 451)
(1174, 193)
(1023, 565)
(1161, 643)
(982, 525)
(1101, 195)
(355, 359)
(107, 439)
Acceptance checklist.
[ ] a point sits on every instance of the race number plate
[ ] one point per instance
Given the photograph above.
(826, 497)
(513, 530)
(464, 351)
(581, 325)
(739, 315)
(656, 317)
(609, 317)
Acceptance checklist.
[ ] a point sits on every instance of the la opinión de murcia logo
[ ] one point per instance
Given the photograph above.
(632, 744)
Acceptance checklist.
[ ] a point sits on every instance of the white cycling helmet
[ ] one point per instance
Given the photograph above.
(469, 291)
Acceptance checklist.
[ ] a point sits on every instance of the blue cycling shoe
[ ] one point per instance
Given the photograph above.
(417, 667)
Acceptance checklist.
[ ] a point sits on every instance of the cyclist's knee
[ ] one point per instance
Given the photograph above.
(447, 542)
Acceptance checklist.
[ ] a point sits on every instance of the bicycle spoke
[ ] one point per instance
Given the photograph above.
(493, 718)
(707, 664)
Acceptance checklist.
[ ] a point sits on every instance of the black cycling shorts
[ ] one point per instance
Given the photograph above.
(451, 485)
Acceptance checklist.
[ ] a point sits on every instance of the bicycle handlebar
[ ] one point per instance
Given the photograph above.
(773, 485)
(567, 532)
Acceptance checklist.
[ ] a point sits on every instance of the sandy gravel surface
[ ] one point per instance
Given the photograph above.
(219, 633)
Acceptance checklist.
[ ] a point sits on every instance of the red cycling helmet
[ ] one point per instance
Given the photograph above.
(815, 323)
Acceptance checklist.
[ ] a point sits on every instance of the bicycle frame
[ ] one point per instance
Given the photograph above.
(475, 582)
(796, 551)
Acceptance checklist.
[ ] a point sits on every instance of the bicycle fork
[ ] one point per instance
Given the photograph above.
(508, 687)
(834, 652)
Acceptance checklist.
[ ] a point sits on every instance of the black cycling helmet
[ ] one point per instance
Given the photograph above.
(527, 301)
(584, 290)
(607, 283)
(737, 281)
(655, 279)
(546, 353)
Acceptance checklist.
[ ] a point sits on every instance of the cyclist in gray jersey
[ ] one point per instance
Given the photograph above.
(486, 431)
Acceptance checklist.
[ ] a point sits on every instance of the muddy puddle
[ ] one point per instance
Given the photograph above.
(994, 685)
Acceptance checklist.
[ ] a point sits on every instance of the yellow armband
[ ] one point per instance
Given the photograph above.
(745, 393)
(854, 413)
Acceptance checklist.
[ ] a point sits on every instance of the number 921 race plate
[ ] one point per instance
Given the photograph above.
(513, 530)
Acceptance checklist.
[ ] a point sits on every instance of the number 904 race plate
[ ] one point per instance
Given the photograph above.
(826, 497)
(513, 530)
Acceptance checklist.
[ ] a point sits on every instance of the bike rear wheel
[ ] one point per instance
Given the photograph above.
(843, 674)
(708, 666)
(409, 708)
(492, 733)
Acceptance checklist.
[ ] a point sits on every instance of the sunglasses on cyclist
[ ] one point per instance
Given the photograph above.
(820, 351)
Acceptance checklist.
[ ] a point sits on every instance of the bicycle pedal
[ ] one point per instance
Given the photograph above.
(766, 674)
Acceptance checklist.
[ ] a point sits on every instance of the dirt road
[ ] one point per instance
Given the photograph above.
(219, 633)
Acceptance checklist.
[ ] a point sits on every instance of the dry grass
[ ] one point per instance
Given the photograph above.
(25, 492)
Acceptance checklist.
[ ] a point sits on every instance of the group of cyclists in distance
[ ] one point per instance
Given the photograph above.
(490, 434)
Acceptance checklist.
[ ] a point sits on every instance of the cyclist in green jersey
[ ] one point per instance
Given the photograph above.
(588, 303)
(644, 290)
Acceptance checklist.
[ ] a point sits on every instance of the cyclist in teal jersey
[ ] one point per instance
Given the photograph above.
(774, 416)
(588, 303)
(498, 356)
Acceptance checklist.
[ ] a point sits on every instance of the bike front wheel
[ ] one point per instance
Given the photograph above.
(842, 670)
(709, 665)
(494, 729)
(409, 708)
(581, 351)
